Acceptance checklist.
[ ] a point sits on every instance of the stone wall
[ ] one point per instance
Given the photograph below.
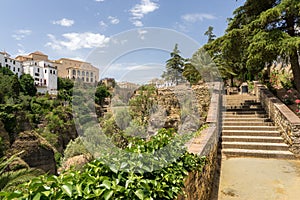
(199, 184)
(282, 116)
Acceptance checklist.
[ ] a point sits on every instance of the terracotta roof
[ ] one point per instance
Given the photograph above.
(38, 53)
(5, 53)
(72, 60)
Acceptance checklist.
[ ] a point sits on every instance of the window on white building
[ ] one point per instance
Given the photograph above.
(5, 59)
(53, 71)
(92, 74)
(92, 80)
(14, 69)
(74, 72)
(82, 74)
(87, 79)
(14, 62)
(38, 70)
(45, 71)
(50, 71)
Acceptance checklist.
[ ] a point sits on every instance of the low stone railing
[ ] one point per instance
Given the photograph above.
(282, 116)
(199, 184)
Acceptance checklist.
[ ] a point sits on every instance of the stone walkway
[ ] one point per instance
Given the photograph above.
(259, 179)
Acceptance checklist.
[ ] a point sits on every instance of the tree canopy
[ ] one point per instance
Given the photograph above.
(259, 33)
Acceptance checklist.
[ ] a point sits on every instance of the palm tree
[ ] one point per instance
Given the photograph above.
(191, 73)
(9, 180)
(205, 65)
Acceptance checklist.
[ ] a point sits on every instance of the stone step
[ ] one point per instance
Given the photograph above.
(255, 145)
(250, 133)
(246, 123)
(244, 112)
(265, 139)
(241, 103)
(245, 97)
(248, 119)
(252, 128)
(242, 108)
(244, 117)
(258, 153)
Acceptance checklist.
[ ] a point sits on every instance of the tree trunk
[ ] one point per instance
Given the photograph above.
(294, 59)
(231, 80)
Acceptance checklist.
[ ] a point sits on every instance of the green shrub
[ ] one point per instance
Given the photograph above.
(122, 179)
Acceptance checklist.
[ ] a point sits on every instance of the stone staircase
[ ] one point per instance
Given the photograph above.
(248, 132)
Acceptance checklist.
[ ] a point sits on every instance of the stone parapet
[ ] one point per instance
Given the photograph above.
(199, 184)
(282, 116)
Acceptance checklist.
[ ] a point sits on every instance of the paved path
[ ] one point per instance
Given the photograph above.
(259, 179)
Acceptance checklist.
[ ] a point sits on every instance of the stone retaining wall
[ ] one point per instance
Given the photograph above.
(198, 185)
(282, 116)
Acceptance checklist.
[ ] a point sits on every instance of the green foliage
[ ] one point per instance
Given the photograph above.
(75, 148)
(101, 93)
(9, 180)
(65, 89)
(191, 74)
(1, 147)
(175, 66)
(142, 104)
(64, 84)
(6, 71)
(119, 180)
(259, 33)
(209, 33)
(9, 86)
(27, 85)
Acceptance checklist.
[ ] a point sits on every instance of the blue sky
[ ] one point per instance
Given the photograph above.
(74, 28)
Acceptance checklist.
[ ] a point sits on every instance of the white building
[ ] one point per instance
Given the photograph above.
(44, 75)
(14, 65)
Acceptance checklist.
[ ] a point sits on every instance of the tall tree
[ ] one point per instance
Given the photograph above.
(27, 85)
(259, 33)
(209, 33)
(175, 66)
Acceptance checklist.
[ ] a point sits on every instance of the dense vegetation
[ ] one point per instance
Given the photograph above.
(149, 168)
(117, 176)
(260, 34)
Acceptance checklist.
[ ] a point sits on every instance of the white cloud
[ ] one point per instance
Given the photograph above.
(75, 41)
(139, 68)
(99, 0)
(113, 20)
(197, 17)
(140, 10)
(21, 34)
(138, 23)
(103, 25)
(64, 22)
(142, 34)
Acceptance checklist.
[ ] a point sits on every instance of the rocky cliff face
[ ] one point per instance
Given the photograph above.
(5, 139)
(37, 152)
(183, 108)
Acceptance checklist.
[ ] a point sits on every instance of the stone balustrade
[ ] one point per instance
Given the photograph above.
(282, 116)
(199, 184)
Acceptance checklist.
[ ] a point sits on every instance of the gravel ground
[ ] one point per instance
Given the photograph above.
(259, 179)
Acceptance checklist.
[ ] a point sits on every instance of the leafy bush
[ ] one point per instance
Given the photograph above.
(75, 148)
(121, 179)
